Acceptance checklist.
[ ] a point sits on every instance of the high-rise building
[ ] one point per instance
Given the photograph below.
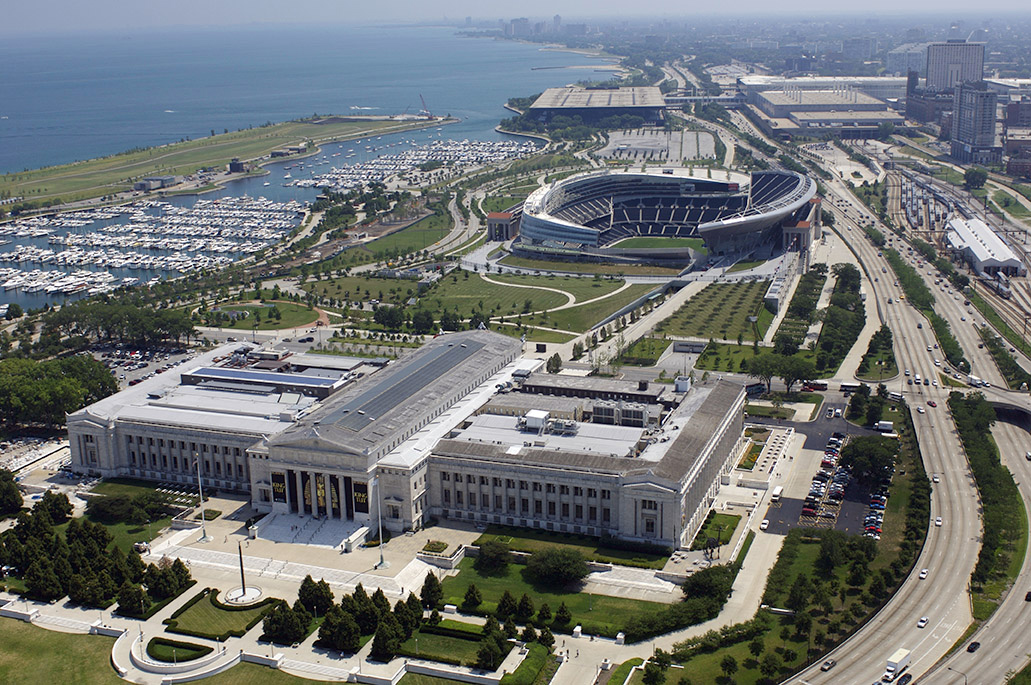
(906, 58)
(973, 124)
(952, 63)
(556, 24)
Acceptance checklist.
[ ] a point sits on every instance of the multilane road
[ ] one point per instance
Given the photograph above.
(950, 550)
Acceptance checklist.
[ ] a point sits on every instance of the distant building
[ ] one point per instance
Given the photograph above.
(952, 63)
(1018, 112)
(236, 166)
(858, 49)
(906, 58)
(1018, 142)
(880, 87)
(593, 104)
(501, 227)
(1018, 166)
(155, 183)
(973, 125)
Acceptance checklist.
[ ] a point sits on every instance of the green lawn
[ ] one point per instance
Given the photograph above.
(175, 651)
(205, 617)
(529, 540)
(431, 646)
(97, 177)
(415, 238)
(127, 486)
(599, 614)
(293, 315)
(645, 351)
(588, 268)
(125, 534)
(641, 241)
(36, 655)
(419, 679)
(532, 334)
(722, 525)
(499, 203)
(1010, 205)
(881, 365)
(746, 265)
(581, 318)
(467, 292)
(579, 287)
(752, 456)
(721, 310)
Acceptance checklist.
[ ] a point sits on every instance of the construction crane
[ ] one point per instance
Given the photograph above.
(425, 109)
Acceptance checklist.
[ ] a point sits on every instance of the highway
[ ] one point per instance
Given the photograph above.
(1004, 645)
(950, 550)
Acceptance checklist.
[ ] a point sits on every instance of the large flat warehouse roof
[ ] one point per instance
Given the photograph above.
(583, 98)
(809, 98)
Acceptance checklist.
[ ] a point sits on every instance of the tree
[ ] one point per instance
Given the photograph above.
(132, 599)
(563, 615)
(524, 612)
(557, 566)
(431, 592)
(506, 606)
(494, 557)
(794, 369)
(473, 598)
(544, 614)
(422, 321)
(546, 638)
(488, 656)
(728, 665)
(975, 178)
(554, 364)
(763, 367)
(10, 496)
(800, 593)
(756, 647)
(869, 457)
(654, 674)
(770, 664)
(340, 631)
(14, 311)
(511, 630)
(387, 640)
(316, 597)
(529, 634)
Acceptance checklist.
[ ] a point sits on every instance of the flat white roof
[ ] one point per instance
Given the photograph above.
(987, 248)
(415, 448)
(592, 438)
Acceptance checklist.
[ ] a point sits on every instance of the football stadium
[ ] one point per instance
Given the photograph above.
(624, 216)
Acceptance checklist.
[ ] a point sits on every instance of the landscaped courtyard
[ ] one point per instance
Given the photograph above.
(722, 311)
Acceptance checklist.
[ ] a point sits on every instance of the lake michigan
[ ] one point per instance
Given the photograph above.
(74, 97)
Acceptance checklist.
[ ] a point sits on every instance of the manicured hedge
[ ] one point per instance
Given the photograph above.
(211, 594)
(157, 606)
(160, 648)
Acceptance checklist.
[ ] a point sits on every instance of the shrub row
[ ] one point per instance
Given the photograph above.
(210, 593)
(156, 606)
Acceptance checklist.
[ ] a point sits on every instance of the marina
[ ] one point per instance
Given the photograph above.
(94, 251)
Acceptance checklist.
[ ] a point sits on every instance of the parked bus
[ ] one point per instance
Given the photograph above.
(814, 385)
(777, 492)
(850, 387)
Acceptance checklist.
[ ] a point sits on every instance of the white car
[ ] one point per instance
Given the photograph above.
(920, 410)
(922, 623)
(923, 574)
(938, 522)
(765, 524)
(936, 478)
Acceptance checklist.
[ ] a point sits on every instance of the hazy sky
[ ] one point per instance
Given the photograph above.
(89, 15)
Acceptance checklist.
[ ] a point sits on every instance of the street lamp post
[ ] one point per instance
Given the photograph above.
(379, 517)
(200, 503)
(956, 670)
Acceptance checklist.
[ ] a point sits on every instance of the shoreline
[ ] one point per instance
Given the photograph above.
(219, 185)
(535, 136)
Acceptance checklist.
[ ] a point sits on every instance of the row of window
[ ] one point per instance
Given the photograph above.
(510, 483)
(462, 499)
(187, 465)
(201, 448)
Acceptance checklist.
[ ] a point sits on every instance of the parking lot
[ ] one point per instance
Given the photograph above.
(130, 365)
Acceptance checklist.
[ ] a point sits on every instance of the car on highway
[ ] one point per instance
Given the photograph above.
(923, 574)
(828, 665)
(922, 623)
(932, 403)
(973, 647)
(936, 478)
(920, 410)
(938, 522)
(1027, 597)
(905, 679)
